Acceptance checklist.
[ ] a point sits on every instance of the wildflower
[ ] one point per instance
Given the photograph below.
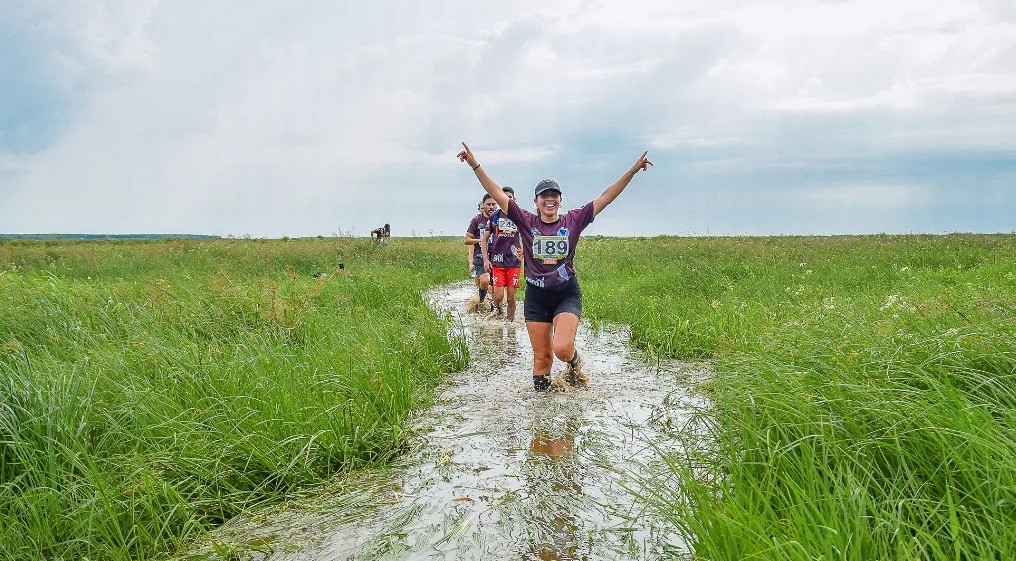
(891, 302)
(897, 303)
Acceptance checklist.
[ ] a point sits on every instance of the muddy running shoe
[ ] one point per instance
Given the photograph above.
(541, 383)
(576, 379)
(574, 375)
(559, 384)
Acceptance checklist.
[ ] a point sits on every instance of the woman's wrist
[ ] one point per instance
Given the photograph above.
(476, 166)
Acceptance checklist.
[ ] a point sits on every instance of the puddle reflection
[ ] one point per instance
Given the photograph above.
(555, 482)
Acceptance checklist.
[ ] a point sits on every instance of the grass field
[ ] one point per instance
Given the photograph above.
(864, 388)
(151, 390)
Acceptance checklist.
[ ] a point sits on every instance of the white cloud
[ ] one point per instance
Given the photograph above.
(273, 118)
(846, 198)
(13, 163)
(688, 138)
(899, 96)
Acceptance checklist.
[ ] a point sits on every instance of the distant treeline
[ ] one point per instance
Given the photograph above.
(106, 236)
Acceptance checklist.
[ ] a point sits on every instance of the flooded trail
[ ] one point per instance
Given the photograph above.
(498, 471)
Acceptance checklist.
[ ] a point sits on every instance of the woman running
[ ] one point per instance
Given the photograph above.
(553, 301)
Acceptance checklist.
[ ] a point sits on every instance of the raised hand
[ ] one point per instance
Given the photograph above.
(467, 156)
(643, 162)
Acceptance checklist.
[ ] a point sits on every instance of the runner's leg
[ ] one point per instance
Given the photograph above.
(483, 281)
(481, 276)
(540, 338)
(514, 280)
(510, 314)
(497, 288)
(566, 325)
(539, 317)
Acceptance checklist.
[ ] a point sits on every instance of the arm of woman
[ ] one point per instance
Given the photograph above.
(615, 188)
(491, 186)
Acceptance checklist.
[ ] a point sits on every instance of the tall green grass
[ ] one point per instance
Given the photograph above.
(152, 390)
(863, 390)
(864, 393)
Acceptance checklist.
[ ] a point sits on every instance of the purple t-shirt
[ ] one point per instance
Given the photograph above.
(550, 248)
(504, 238)
(476, 227)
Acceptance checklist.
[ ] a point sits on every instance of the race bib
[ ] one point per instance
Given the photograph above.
(550, 249)
(506, 226)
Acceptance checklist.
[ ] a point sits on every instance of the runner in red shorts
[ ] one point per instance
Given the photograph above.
(504, 261)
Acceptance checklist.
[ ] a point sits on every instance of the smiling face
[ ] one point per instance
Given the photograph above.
(548, 203)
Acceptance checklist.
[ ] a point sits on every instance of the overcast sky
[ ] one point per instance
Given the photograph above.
(319, 118)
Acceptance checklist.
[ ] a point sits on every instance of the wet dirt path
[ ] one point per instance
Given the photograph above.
(498, 471)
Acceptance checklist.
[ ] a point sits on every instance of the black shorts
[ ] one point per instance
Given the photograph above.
(543, 305)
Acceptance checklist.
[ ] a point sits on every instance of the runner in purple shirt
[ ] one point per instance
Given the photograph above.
(553, 302)
(504, 261)
(473, 232)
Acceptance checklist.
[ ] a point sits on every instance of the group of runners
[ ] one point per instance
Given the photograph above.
(545, 243)
(495, 257)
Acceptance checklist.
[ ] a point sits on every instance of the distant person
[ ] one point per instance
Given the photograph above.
(553, 302)
(504, 261)
(476, 227)
(381, 234)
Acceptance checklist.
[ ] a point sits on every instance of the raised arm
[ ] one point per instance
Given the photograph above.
(493, 189)
(610, 193)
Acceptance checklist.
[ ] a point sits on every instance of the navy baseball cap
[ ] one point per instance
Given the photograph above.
(547, 185)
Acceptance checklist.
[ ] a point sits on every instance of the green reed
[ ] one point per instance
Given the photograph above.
(152, 390)
(864, 389)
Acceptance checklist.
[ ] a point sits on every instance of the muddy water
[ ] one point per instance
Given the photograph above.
(498, 471)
